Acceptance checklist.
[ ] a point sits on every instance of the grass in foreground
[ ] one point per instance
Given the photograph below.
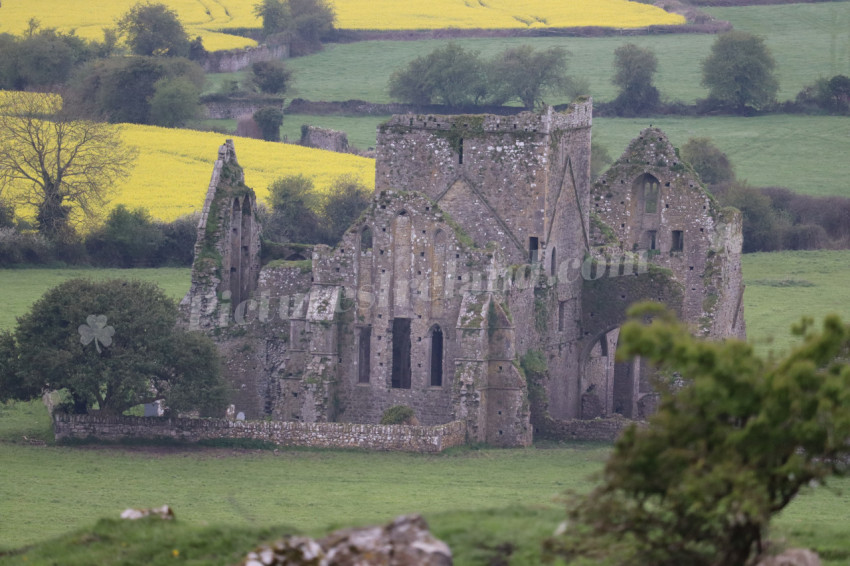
(488, 505)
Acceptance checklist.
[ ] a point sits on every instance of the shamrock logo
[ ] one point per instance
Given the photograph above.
(96, 330)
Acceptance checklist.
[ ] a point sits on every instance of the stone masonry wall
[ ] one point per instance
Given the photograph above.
(238, 59)
(595, 430)
(315, 435)
(323, 138)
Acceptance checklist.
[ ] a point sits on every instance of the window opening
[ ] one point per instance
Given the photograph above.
(364, 357)
(533, 249)
(437, 357)
(366, 239)
(401, 353)
(678, 241)
(649, 188)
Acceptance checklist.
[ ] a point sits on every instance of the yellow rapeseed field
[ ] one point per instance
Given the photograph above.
(208, 18)
(173, 169)
(497, 14)
(89, 17)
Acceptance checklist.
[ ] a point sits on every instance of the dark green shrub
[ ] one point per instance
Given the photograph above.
(269, 120)
(271, 77)
(399, 414)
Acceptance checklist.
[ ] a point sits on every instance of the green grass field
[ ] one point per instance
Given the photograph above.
(807, 154)
(20, 288)
(474, 499)
(807, 41)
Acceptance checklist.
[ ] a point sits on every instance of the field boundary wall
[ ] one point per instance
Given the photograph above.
(402, 438)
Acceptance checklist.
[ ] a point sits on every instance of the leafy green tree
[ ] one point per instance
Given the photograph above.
(723, 454)
(174, 102)
(129, 238)
(763, 227)
(121, 89)
(269, 120)
(303, 22)
(448, 75)
(293, 217)
(271, 77)
(635, 67)
(599, 159)
(521, 73)
(275, 15)
(52, 163)
(739, 72)
(42, 59)
(706, 158)
(113, 345)
(348, 198)
(154, 29)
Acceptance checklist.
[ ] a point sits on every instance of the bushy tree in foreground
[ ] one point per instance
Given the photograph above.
(723, 454)
(113, 345)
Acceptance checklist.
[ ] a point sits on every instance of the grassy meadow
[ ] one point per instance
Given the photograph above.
(478, 501)
(808, 41)
(807, 154)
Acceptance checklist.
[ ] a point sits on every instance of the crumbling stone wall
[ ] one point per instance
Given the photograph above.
(483, 244)
(227, 250)
(313, 435)
(654, 204)
(323, 138)
(237, 59)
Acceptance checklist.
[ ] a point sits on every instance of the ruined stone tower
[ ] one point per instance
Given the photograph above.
(484, 248)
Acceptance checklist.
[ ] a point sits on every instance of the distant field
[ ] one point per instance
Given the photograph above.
(172, 173)
(807, 154)
(209, 18)
(497, 14)
(89, 17)
(174, 167)
(20, 288)
(782, 287)
(807, 40)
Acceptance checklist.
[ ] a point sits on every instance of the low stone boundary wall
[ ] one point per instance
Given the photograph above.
(595, 430)
(317, 435)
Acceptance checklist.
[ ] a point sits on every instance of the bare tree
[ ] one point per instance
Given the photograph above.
(63, 169)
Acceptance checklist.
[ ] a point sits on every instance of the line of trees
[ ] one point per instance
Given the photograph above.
(775, 218)
(456, 77)
(739, 73)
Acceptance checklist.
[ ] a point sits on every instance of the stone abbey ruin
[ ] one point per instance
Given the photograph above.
(485, 247)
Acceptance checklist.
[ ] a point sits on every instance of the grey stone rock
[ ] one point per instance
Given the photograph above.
(404, 542)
